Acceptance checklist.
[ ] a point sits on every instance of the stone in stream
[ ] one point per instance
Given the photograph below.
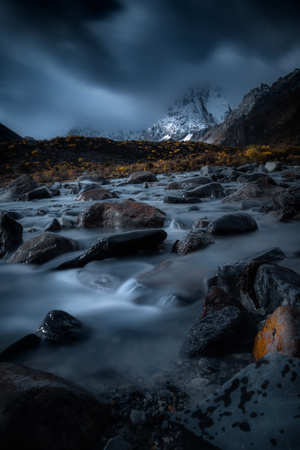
(249, 167)
(262, 189)
(210, 190)
(59, 327)
(141, 177)
(118, 245)
(218, 299)
(97, 178)
(181, 200)
(280, 333)
(40, 249)
(53, 226)
(286, 205)
(232, 224)
(275, 286)
(249, 177)
(37, 194)
(225, 331)
(39, 410)
(273, 166)
(127, 214)
(18, 187)
(258, 408)
(187, 183)
(11, 233)
(96, 194)
(193, 241)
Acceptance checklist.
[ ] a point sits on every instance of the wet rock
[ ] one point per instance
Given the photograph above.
(188, 183)
(238, 414)
(249, 177)
(262, 189)
(181, 200)
(193, 241)
(40, 249)
(97, 178)
(37, 194)
(18, 187)
(141, 177)
(201, 223)
(229, 273)
(250, 167)
(230, 174)
(275, 286)
(59, 327)
(20, 348)
(281, 333)
(96, 194)
(128, 214)
(292, 174)
(232, 224)
(286, 204)
(41, 410)
(226, 331)
(218, 299)
(11, 233)
(53, 226)
(211, 190)
(273, 166)
(118, 245)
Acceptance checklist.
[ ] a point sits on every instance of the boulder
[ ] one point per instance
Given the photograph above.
(226, 331)
(218, 299)
(193, 241)
(11, 233)
(181, 200)
(258, 408)
(232, 224)
(281, 333)
(40, 249)
(59, 327)
(273, 166)
(96, 194)
(188, 183)
(210, 190)
(37, 194)
(18, 187)
(262, 189)
(230, 174)
(249, 177)
(39, 410)
(97, 178)
(53, 226)
(275, 286)
(250, 167)
(286, 204)
(127, 214)
(141, 177)
(118, 245)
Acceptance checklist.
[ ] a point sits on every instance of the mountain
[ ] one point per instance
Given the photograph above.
(191, 116)
(267, 115)
(7, 135)
(118, 135)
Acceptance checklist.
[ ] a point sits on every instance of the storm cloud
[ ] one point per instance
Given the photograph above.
(120, 63)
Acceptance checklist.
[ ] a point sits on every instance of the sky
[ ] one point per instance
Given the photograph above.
(119, 64)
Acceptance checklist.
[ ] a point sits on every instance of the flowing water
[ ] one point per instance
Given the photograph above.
(134, 329)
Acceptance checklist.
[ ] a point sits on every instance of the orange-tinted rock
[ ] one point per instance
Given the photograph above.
(280, 334)
(96, 194)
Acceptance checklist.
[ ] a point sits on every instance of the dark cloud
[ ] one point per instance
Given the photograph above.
(120, 62)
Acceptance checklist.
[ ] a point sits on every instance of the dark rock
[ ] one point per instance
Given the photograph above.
(36, 194)
(258, 408)
(193, 241)
(59, 327)
(232, 224)
(250, 167)
(41, 410)
(128, 214)
(275, 286)
(118, 245)
(96, 194)
(141, 177)
(249, 177)
(226, 331)
(53, 226)
(188, 183)
(218, 299)
(20, 348)
(93, 177)
(230, 174)
(11, 233)
(202, 223)
(273, 166)
(211, 190)
(287, 203)
(40, 249)
(179, 200)
(229, 274)
(262, 189)
(18, 187)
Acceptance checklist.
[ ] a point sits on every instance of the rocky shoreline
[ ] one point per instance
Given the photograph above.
(235, 381)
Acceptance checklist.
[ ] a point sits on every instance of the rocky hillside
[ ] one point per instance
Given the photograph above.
(7, 135)
(267, 115)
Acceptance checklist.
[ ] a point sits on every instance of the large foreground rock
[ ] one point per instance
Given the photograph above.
(18, 187)
(39, 410)
(11, 233)
(232, 224)
(118, 245)
(127, 214)
(40, 249)
(257, 409)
